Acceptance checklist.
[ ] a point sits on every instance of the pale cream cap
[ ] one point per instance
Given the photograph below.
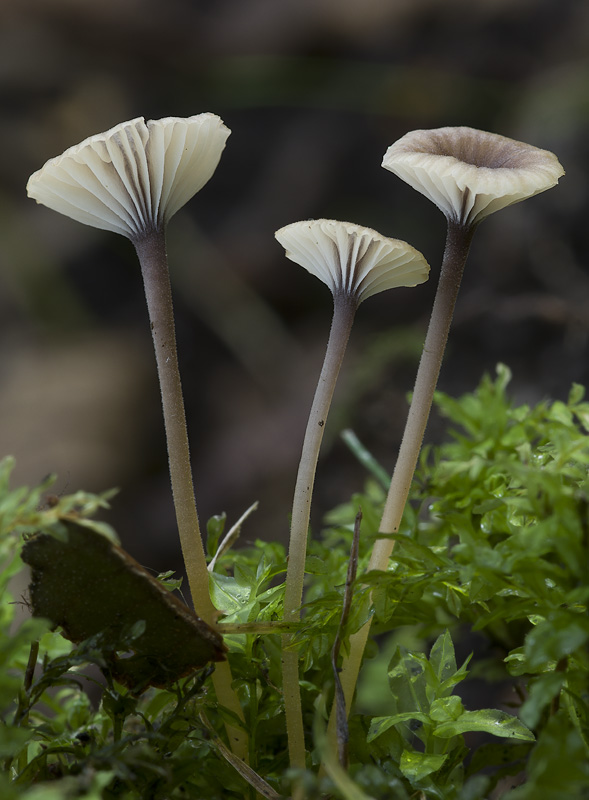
(135, 176)
(351, 259)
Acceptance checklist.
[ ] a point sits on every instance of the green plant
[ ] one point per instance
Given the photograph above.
(493, 541)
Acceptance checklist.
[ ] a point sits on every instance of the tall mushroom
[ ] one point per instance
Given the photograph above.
(468, 174)
(131, 180)
(355, 263)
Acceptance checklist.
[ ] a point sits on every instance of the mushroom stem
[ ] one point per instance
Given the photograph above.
(343, 317)
(151, 251)
(341, 325)
(455, 254)
(458, 241)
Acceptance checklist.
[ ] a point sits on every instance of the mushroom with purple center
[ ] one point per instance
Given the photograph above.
(469, 174)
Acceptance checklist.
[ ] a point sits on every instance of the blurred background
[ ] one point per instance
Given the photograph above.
(314, 92)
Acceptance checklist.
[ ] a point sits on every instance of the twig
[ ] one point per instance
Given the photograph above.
(339, 700)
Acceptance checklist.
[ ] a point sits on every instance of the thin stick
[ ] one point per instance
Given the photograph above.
(343, 318)
(455, 254)
(231, 536)
(338, 699)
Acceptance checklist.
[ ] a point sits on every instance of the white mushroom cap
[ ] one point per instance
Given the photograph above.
(469, 174)
(350, 259)
(135, 176)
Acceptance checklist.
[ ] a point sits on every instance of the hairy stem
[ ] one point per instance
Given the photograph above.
(151, 250)
(343, 318)
(154, 267)
(455, 254)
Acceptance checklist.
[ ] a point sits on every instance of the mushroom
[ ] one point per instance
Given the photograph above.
(134, 177)
(131, 180)
(468, 174)
(355, 263)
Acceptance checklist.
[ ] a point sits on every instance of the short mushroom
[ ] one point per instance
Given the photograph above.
(355, 263)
